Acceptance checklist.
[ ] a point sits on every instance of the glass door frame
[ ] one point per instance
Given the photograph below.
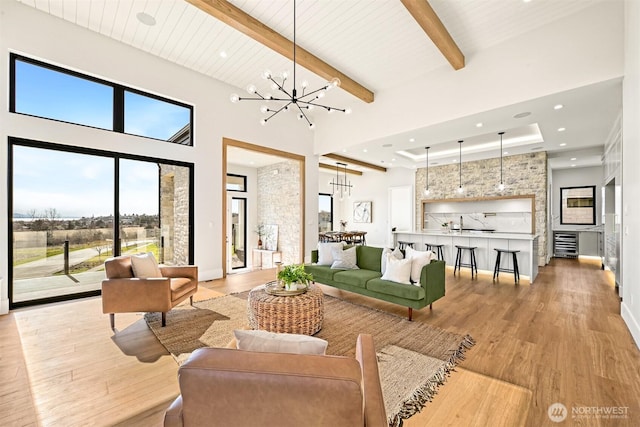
(244, 234)
(13, 141)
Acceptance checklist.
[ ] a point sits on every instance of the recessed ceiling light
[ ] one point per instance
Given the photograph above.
(561, 129)
(563, 144)
(573, 158)
(521, 115)
(344, 150)
(365, 150)
(455, 161)
(387, 145)
(506, 152)
(393, 160)
(479, 125)
(526, 1)
(146, 19)
(223, 54)
(573, 166)
(558, 107)
(252, 163)
(412, 140)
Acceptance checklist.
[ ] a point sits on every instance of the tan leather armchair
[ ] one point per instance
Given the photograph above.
(236, 388)
(124, 293)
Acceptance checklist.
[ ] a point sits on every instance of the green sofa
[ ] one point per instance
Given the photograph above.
(367, 280)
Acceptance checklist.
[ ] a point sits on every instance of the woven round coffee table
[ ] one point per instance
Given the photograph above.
(296, 314)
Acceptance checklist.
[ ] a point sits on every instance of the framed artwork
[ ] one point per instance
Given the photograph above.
(362, 212)
(271, 237)
(578, 205)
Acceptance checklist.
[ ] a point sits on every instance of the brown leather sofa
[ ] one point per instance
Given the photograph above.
(124, 293)
(236, 388)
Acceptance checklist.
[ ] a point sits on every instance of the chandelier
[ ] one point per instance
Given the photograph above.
(340, 184)
(288, 100)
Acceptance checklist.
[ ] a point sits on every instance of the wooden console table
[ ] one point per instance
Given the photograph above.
(275, 256)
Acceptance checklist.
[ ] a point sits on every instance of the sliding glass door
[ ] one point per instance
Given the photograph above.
(62, 227)
(62, 211)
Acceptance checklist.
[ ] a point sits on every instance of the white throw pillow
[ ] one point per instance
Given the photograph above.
(325, 257)
(344, 259)
(383, 262)
(418, 260)
(271, 342)
(145, 266)
(398, 270)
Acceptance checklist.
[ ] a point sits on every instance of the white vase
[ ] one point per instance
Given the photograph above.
(291, 286)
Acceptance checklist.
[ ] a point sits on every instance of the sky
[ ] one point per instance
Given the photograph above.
(47, 93)
(79, 185)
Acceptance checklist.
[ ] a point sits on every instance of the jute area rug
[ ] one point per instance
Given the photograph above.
(414, 359)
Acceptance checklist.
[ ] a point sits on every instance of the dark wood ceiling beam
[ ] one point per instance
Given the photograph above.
(426, 17)
(246, 24)
(333, 169)
(349, 161)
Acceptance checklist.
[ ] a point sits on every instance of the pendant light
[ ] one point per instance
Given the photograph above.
(501, 185)
(426, 188)
(460, 189)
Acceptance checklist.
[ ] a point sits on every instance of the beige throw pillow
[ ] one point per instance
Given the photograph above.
(344, 259)
(325, 255)
(398, 270)
(271, 342)
(418, 260)
(145, 266)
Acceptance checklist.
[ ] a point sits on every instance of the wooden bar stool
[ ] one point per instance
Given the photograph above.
(472, 259)
(402, 245)
(515, 270)
(437, 248)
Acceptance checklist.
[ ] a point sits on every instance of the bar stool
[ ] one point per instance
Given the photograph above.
(438, 249)
(403, 245)
(497, 269)
(472, 259)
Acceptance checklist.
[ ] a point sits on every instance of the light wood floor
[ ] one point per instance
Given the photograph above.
(559, 340)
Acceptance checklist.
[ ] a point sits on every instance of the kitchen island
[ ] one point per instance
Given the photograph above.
(485, 242)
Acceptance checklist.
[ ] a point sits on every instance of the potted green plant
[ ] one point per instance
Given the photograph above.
(292, 275)
(260, 231)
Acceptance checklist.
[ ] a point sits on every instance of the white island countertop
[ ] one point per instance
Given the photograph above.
(482, 234)
(486, 244)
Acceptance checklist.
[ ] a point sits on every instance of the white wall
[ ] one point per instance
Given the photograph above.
(631, 172)
(568, 53)
(575, 177)
(30, 32)
(372, 186)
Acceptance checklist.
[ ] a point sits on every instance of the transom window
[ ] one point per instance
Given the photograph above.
(47, 91)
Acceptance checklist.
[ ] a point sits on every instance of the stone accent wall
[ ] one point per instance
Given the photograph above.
(174, 214)
(279, 204)
(522, 175)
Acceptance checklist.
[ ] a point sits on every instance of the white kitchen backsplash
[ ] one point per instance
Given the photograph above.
(505, 222)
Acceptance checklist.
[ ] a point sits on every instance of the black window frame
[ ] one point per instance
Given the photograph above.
(116, 156)
(244, 180)
(118, 98)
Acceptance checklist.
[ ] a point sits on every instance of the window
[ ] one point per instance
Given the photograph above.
(44, 92)
(325, 212)
(80, 206)
(236, 182)
(578, 205)
(51, 92)
(156, 118)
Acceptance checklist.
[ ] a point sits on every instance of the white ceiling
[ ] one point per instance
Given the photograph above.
(378, 44)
